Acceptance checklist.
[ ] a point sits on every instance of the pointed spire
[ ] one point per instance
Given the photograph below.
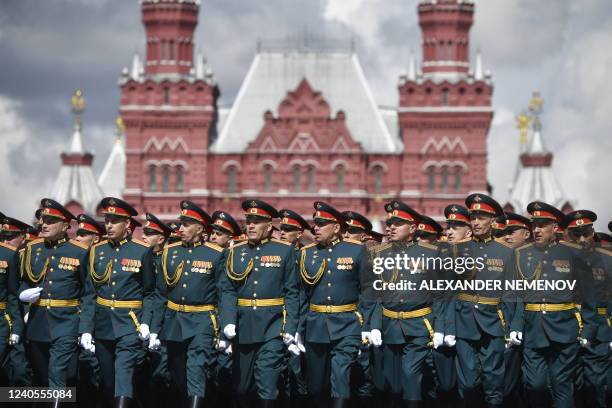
(478, 74)
(200, 65)
(136, 67)
(76, 145)
(412, 67)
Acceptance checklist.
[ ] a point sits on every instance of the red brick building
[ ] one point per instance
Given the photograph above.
(304, 125)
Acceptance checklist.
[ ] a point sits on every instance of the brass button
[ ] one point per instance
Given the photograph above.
(329, 285)
(114, 283)
(113, 296)
(190, 252)
(255, 282)
(256, 269)
(329, 298)
(52, 257)
(51, 270)
(254, 295)
(188, 261)
(182, 297)
(184, 285)
(114, 271)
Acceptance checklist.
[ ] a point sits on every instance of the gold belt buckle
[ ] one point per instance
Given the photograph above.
(181, 308)
(328, 308)
(400, 315)
(543, 308)
(253, 302)
(112, 304)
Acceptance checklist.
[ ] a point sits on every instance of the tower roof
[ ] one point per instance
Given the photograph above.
(75, 183)
(112, 177)
(338, 76)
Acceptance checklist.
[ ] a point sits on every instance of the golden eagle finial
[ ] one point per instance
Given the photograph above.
(523, 120)
(120, 126)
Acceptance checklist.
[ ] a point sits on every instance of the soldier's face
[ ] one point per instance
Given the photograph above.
(53, 228)
(481, 224)
(16, 241)
(458, 232)
(117, 228)
(87, 239)
(191, 231)
(154, 240)
(401, 230)
(220, 238)
(584, 236)
(544, 231)
(326, 231)
(355, 233)
(517, 237)
(258, 228)
(290, 235)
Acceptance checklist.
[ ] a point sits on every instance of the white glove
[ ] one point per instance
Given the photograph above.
(294, 349)
(228, 350)
(376, 337)
(144, 333)
(30, 295)
(288, 339)
(86, 342)
(25, 318)
(222, 345)
(516, 338)
(584, 342)
(365, 338)
(438, 340)
(14, 339)
(300, 344)
(154, 343)
(449, 340)
(230, 331)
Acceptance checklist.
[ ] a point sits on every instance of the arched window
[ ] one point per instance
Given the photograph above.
(165, 179)
(444, 179)
(310, 178)
(445, 97)
(179, 179)
(166, 96)
(171, 50)
(297, 177)
(268, 171)
(162, 45)
(451, 51)
(340, 172)
(458, 175)
(431, 179)
(152, 178)
(441, 51)
(377, 176)
(232, 185)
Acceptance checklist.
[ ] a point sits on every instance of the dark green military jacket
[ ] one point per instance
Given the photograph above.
(472, 319)
(396, 331)
(122, 271)
(188, 276)
(558, 261)
(599, 262)
(262, 271)
(344, 276)
(11, 321)
(60, 268)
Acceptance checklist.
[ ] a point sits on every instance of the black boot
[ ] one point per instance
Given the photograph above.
(124, 402)
(339, 403)
(266, 403)
(195, 402)
(412, 404)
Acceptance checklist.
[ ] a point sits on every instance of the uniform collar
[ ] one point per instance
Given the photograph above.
(545, 247)
(332, 243)
(191, 245)
(158, 253)
(263, 241)
(121, 243)
(56, 243)
(485, 240)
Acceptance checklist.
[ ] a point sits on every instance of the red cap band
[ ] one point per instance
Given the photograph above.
(11, 228)
(355, 223)
(154, 226)
(458, 217)
(325, 216)
(401, 214)
(544, 214)
(580, 222)
(53, 213)
(192, 214)
(291, 221)
(112, 210)
(427, 228)
(483, 208)
(88, 227)
(257, 211)
(225, 225)
(516, 223)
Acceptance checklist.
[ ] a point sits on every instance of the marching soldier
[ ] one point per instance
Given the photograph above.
(190, 270)
(260, 301)
(498, 228)
(55, 284)
(481, 315)
(223, 229)
(11, 324)
(292, 227)
(594, 361)
(428, 230)
(549, 321)
(334, 273)
(155, 233)
(409, 323)
(122, 275)
(458, 228)
(89, 232)
(518, 230)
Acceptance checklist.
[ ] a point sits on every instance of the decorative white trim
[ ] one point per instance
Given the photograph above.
(378, 163)
(270, 162)
(340, 146)
(449, 109)
(445, 142)
(444, 163)
(268, 145)
(230, 163)
(166, 141)
(339, 162)
(304, 142)
(166, 162)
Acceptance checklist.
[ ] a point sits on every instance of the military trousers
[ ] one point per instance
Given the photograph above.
(361, 374)
(295, 383)
(445, 367)
(187, 361)
(406, 365)
(53, 362)
(328, 366)
(481, 362)
(554, 366)
(119, 360)
(257, 367)
(595, 363)
(17, 367)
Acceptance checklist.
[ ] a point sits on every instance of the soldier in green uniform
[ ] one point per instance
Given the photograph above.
(428, 230)
(11, 324)
(481, 315)
(594, 361)
(190, 270)
(224, 229)
(259, 304)
(89, 233)
(54, 283)
(155, 233)
(122, 275)
(548, 318)
(518, 233)
(458, 228)
(334, 273)
(409, 322)
(292, 227)
(358, 228)
(498, 228)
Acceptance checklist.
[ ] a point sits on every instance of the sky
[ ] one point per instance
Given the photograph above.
(559, 48)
